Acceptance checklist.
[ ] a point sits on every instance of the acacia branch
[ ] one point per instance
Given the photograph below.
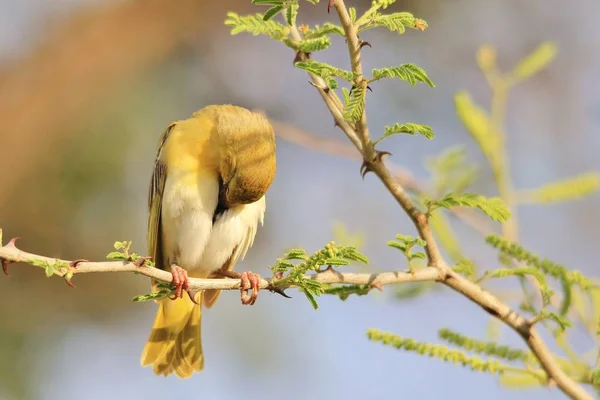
(472, 291)
(11, 254)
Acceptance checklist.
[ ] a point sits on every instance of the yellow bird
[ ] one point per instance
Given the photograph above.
(207, 197)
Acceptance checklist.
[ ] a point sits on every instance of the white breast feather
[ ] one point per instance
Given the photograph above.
(234, 230)
(187, 212)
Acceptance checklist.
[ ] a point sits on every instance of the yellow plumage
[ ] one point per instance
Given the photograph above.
(205, 203)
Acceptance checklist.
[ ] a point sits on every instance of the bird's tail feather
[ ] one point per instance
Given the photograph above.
(175, 343)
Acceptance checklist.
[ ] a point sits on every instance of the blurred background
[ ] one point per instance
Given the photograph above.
(86, 89)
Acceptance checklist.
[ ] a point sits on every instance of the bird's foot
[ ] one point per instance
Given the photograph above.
(180, 280)
(250, 281)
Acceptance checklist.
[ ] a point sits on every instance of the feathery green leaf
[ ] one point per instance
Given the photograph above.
(355, 106)
(564, 190)
(324, 70)
(256, 25)
(406, 72)
(536, 61)
(407, 128)
(493, 207)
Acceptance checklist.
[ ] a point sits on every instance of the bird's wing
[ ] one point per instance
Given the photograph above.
(157, 186)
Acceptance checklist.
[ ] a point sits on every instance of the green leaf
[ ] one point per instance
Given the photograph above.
(115, 255)
(352, 12)
(311, 298)
(493, 207)
(326, 29)
(535, 61)
(524, 271)
(256, 25)
(324, 70)
(346, 94)
(355, 106)
(396, 245)
(271, 12)
(478, 124)
(269, 2)
(312, 45)
(336, 262)
(296, 254)
(560, 320)
(122, 245)
(418, 255)
(395, 22)
(291, 13)
(522, 380)
(485, 347)
(465, 267)
(551, 268)
(564, 190)
(345, 291)
(50, 269)
(161, 294)
(407, 128)
(596, 377)
(406, 72)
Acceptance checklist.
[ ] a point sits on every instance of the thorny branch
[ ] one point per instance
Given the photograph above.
(373, 161)
(11, 254)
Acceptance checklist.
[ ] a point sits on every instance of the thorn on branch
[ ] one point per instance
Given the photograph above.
(5, 262)
(68, 279)
(73, 264)
(325, 89)
(330, 5)
(5, 266)
(301, 56)
(140, 262)
(280, 291)
(364, 43)
(366, 166)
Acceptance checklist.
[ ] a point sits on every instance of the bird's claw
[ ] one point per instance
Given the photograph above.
(180, 280)
(366, 166)
(250, 281)
(192, 293)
